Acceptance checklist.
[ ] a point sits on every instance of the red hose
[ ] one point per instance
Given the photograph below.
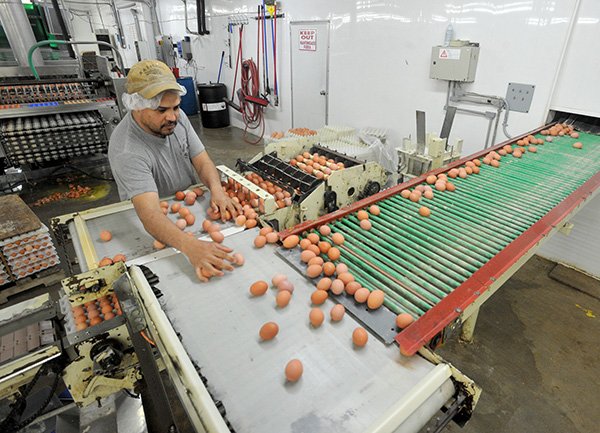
(252, 114)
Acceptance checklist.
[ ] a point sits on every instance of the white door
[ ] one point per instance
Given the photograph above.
(310, 66)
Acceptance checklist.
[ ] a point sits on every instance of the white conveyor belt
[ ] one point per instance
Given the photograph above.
(343, 389)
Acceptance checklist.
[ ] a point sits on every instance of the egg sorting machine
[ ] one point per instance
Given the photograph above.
(441, 268)
(206, 336)
(307, 194)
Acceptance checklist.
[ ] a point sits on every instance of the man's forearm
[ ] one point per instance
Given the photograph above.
(163, 229)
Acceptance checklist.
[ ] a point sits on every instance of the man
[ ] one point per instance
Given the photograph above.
(154, 152)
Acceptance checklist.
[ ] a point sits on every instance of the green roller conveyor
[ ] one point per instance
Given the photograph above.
(417, 261)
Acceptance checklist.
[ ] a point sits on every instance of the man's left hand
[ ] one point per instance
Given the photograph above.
(222, 203)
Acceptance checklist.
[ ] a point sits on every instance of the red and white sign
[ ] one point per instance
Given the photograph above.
(308, 40)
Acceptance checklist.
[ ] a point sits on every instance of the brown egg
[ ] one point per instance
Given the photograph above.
(265, 230)
(305, 243)
(316, 317)
(360, 337)
(183, 212)
(361, 295)
(78, 311)
(293, 370)
(346, 277)
(259, 288)
(268, 331)
(93, 313)
(578, 145)
(375, 299)
(282, 299)
(352, 287)
(106, 308)
(314, 271)
(337, 313)
(95, 321)
(313, 238)
(217, 237)
(80, 319)
(250, 223)
(328, 269)
(324, 247)
(314, 248)
(337, 286)
(405, 193)
(190, 219)
(306, 255)
(325, 230)
(175, 207)
(333, 254)
(238, 259)
(362, 215)
(318, 297)
(494, 163)
(81, 326)
(260, 241)
(190, 198)
(431, 179)
(105, 262)
(105, 235)
(532, 149)
(272, 238)
(367, 225)
(476, 170)
(164, 204)
(424, 211)
(109, 315)
(403, 320)
(179, 195)
(414, 197)
(374, 210)
(450, 187)
(291, 241)
(277, 279)
(338, 238)
(119, 258)
(574, 134)
(324, 284)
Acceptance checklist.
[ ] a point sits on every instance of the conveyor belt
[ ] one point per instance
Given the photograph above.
(418, 261)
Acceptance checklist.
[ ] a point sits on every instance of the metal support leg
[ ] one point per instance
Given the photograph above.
(468, 327)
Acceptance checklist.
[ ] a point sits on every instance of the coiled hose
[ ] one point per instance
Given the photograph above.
(252, 114)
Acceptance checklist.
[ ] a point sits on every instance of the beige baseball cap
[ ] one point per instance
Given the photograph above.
(150, 78)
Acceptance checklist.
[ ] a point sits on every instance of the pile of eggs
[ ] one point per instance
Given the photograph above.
(106, 261)
(316, 165)
(242, 195)
(94, 312)
(304, 132)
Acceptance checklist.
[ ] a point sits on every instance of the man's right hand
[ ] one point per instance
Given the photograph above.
(208, 258)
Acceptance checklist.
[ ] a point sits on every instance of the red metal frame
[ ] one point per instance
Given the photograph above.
(451, 307)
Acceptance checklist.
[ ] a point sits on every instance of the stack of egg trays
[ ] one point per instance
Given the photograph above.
(29, 253)
(4, 277)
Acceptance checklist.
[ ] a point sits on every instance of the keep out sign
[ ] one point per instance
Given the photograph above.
(308, 40)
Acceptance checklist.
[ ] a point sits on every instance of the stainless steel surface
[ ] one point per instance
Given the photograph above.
(342, 389)
(18, 31)
(421, 129)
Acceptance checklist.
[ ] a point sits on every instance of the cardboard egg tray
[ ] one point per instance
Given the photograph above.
(4, 277)
(91, 313)
(28, 253)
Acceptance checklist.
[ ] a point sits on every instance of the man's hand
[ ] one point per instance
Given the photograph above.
(208, 258)
(221, 202)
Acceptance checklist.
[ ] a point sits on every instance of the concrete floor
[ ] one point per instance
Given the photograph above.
(536, 352)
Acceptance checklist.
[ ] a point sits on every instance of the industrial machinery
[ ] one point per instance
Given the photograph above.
(438, 259)
(309, 191)
(206, 340)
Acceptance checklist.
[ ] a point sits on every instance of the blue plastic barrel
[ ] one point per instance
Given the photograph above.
(189, 104)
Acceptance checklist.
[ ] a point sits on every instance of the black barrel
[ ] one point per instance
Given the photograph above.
(213, 110)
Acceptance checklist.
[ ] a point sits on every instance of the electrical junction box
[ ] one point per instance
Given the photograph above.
(186, 49)
(456, 62)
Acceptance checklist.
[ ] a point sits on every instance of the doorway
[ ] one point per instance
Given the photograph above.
(309, 73)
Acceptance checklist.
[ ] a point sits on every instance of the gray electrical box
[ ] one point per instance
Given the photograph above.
(186, 49)
(456, 62)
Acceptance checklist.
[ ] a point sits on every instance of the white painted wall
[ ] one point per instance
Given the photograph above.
(379, 61)
(578, 90)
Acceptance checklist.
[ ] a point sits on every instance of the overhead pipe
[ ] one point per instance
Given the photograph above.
(185, 15)
(115, 12)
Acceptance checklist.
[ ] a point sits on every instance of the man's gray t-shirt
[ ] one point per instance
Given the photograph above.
(142, 162)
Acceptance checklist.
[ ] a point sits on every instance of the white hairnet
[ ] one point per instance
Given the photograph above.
(135, 101)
